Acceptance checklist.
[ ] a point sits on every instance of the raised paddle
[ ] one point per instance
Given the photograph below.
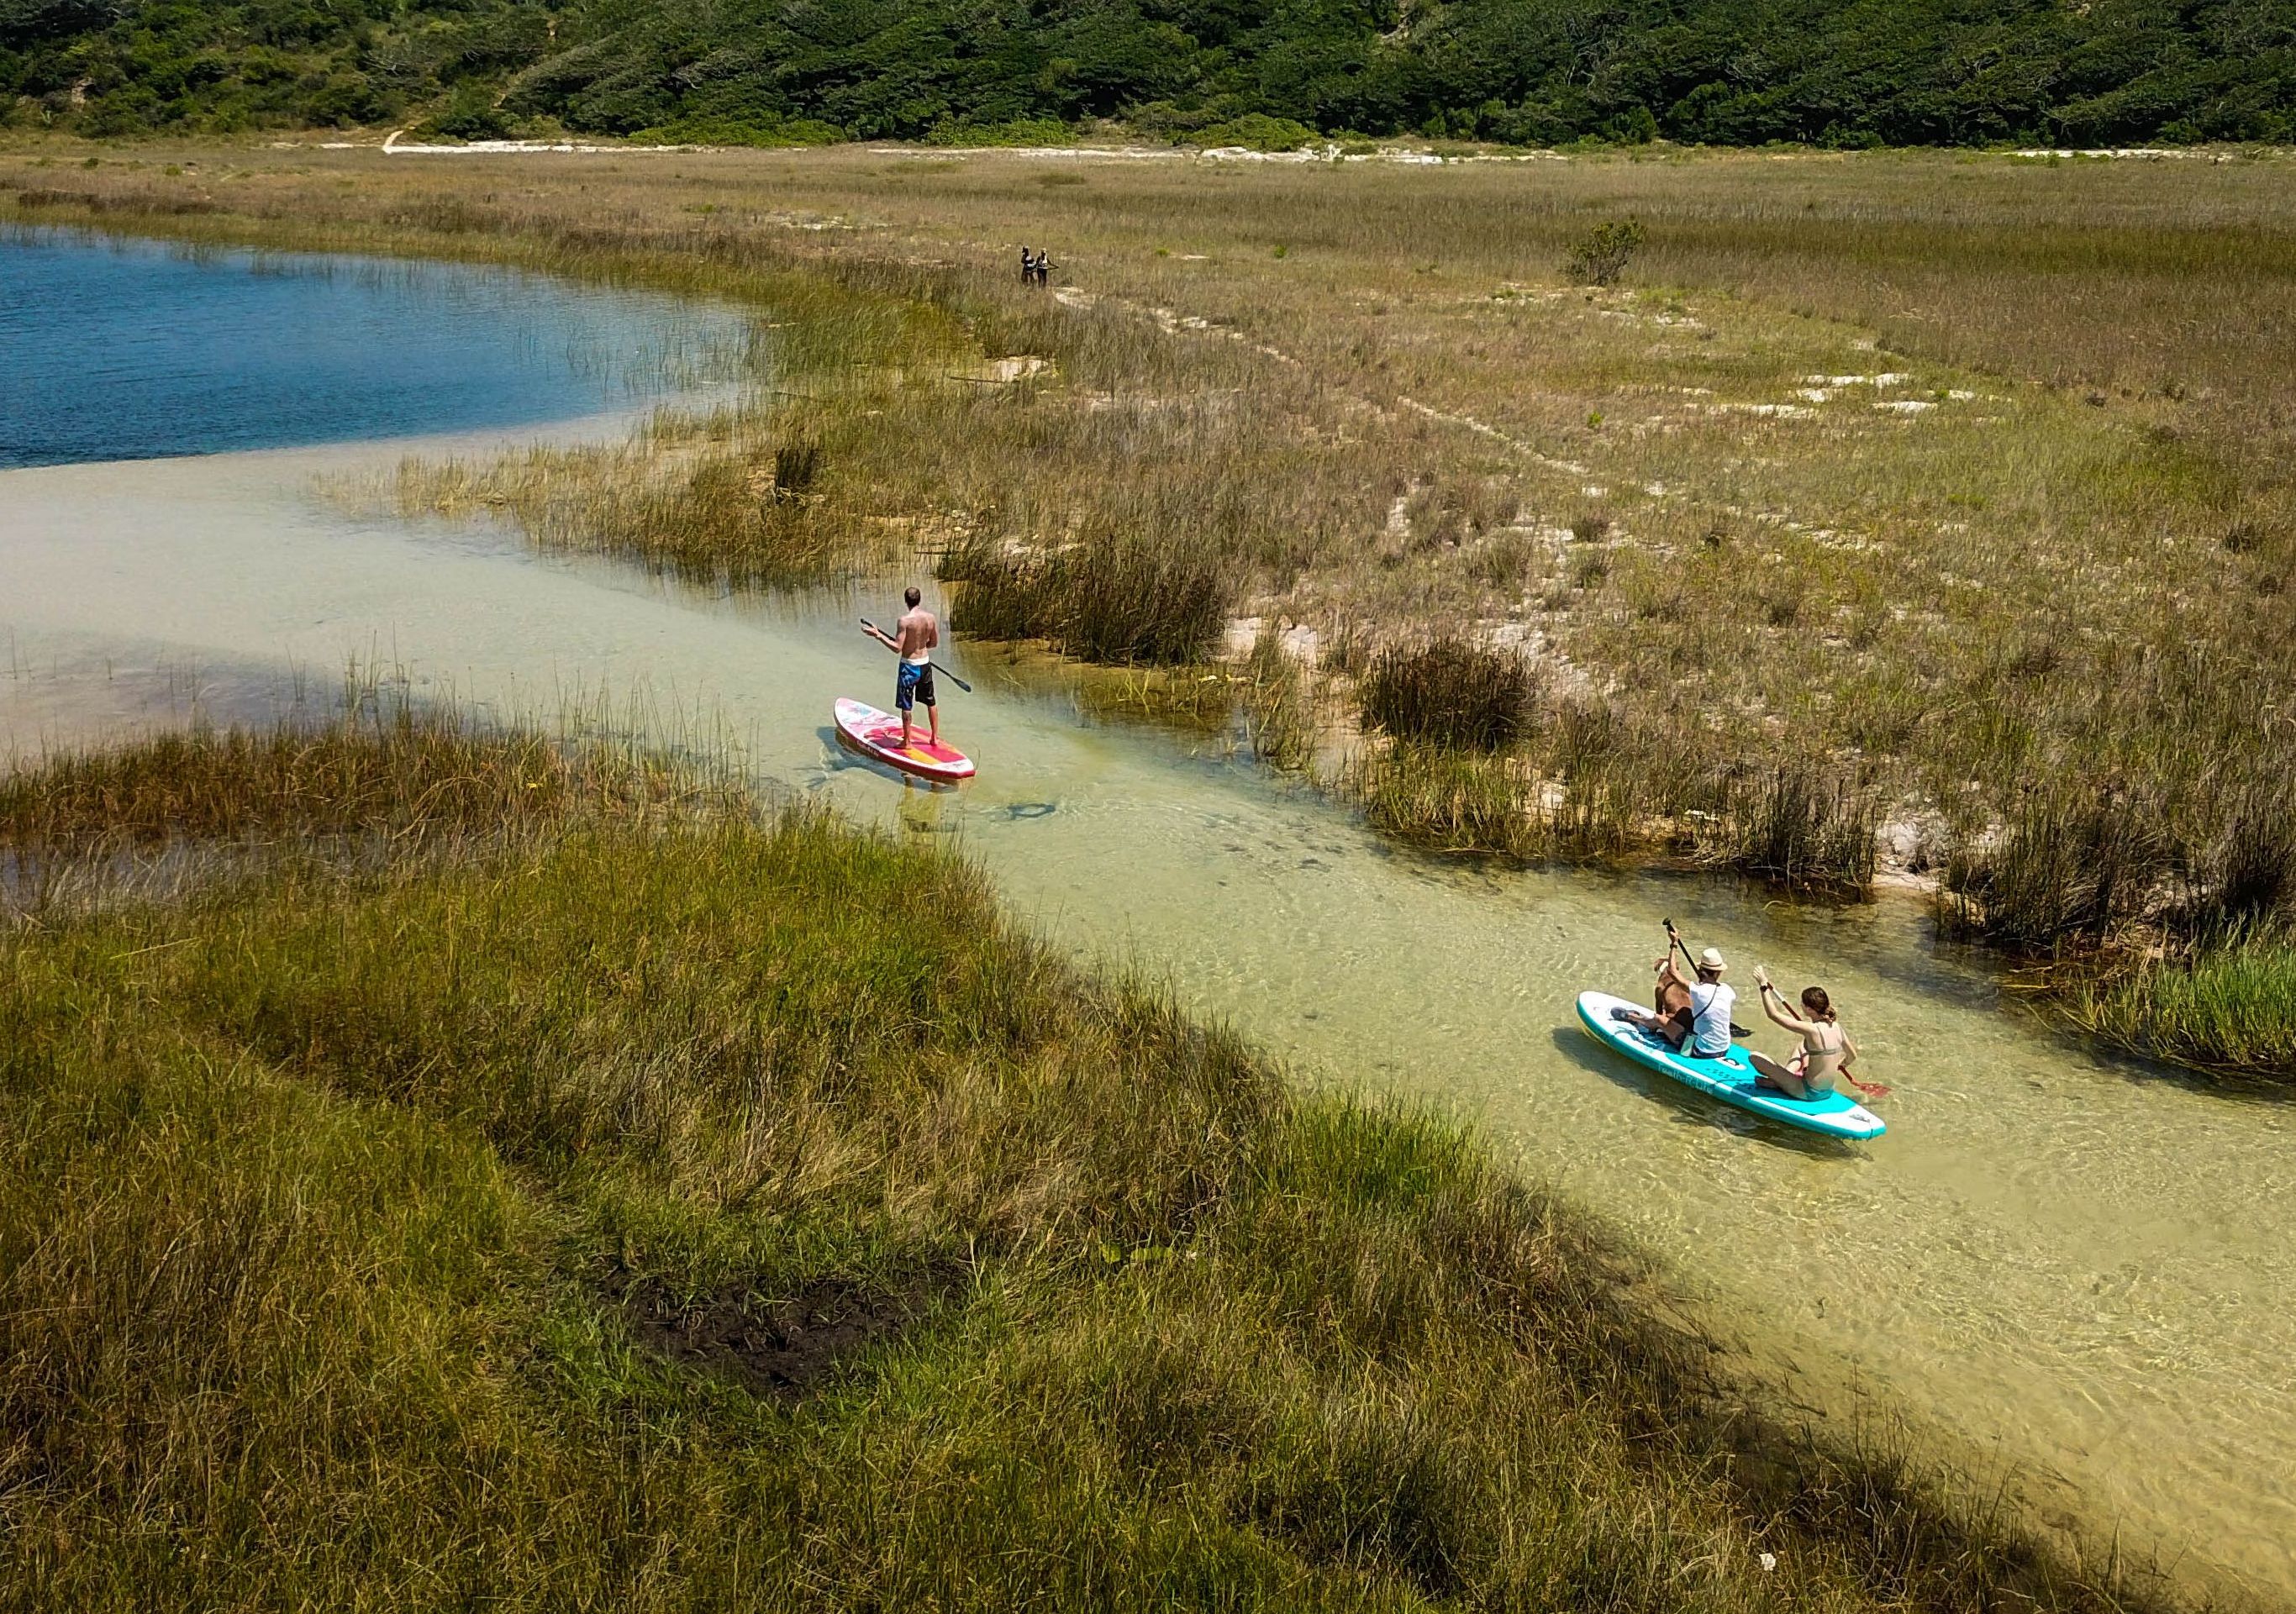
(886, 639)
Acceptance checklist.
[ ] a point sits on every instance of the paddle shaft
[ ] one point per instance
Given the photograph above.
(886, 640)
(1673, 938)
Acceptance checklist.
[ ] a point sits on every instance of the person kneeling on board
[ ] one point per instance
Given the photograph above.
(914, 637)
(1825, 1051)
(1693, 1015)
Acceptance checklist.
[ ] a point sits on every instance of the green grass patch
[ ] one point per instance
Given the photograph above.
(1447, 801)
(2230, 1007)
(737, 1210)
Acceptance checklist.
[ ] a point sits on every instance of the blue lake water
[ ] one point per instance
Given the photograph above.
(121, 350)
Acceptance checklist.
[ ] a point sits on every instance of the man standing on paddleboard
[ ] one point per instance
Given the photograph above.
(915, 639)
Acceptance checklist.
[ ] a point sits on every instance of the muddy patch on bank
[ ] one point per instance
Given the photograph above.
(783, 1346)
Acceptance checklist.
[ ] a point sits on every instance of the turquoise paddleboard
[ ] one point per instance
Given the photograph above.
(1730, 1078)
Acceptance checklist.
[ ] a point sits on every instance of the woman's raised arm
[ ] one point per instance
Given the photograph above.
(1774, 1004)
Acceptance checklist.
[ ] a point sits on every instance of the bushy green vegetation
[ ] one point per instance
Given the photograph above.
(1845, 72)
(2228, 1007)
(587, 1205)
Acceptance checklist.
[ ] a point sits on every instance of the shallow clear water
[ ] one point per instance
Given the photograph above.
(126, 350)
(2072, 1273)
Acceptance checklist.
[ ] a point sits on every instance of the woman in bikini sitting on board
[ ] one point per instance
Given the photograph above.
(1825, 1052)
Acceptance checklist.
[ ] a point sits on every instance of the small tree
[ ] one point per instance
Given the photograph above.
(1599, 258)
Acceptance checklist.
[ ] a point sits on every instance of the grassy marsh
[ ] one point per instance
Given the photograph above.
(1936, 474)
(381, 768)
(2228, 1007)
(705, 498)
(734, 1209)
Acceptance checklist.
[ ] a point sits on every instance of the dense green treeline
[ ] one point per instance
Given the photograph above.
(1535, 71)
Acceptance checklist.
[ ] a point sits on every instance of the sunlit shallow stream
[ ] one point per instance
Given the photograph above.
(2077, 1273)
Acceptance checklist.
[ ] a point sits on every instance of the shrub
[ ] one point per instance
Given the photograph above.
(1257, 131)
(469, 114)
(1603, 254)
(1013, 132)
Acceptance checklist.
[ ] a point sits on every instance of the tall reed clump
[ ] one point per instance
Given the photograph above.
(2070, 866)
(1107, 598)
(740, 1212)
(2251, 869)
(1449, 694)
(1802, 830)
(2229, 1006)
(1446, 779)
(796, 466)
(1625, 781)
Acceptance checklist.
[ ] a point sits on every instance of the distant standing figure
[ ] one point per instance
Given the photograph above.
(1044, 267)
(1027, 267)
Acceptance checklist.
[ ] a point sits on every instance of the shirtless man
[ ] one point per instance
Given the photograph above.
(915, 638)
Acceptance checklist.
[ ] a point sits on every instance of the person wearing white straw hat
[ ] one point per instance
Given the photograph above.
(1693, 1015)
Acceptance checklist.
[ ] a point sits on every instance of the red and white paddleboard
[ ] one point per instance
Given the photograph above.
(878, 734)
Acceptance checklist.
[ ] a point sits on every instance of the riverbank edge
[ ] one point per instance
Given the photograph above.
(311, 836)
